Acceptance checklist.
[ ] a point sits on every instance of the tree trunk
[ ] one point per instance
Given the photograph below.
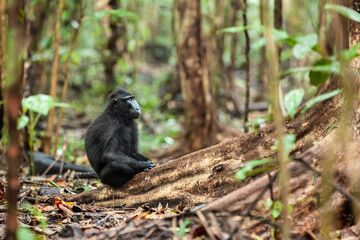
(14, 75)
(34, 70)
(201, 124)
(118, 30)
(208, 174)
(3, 23)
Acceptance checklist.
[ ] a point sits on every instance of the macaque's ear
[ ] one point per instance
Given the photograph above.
(114, 102)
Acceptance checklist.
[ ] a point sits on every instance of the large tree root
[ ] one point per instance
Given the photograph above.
(208, 174)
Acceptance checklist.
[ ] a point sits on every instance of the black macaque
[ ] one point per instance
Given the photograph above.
(111, 141)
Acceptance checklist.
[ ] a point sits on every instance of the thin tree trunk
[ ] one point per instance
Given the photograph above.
(230, 94)
(46, 143)
(272, 52)
(33, 75)
(247, 69)
(118, 30)
(3, 24)
(278, 22)
(200, 119)
(322, 26)
(66, 78)
(235, 4)
(262, 68)
(14, 76)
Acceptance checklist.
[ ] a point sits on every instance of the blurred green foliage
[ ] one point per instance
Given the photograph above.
(147, 63)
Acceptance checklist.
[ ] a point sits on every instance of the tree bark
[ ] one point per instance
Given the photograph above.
(33, 75)
(201, 124)
(247, 68)
(118, 30)
(14, 75)
(3, 24)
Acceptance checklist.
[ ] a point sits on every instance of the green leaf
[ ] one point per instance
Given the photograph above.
(333, 67)
(310, 39)
(320, 98)
(268, 203)
(39, 103)
(278, 205)
(54, 184)
(289, 142)
(182, 229)
(259, 121)
(345, 11)
(22, 121)
(304, 45)
(24, 233)
(292, 100)
(279, 35)
(238, 29)
(242, 173)
(63, 105)
(300, 50)
(275, 213)
(295, 70)
(350, 54)
(321, 71)
(100, 14)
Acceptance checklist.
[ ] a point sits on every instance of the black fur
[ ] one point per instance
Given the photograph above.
(111, 141)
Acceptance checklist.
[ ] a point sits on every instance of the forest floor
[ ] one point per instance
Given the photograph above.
(41, 210)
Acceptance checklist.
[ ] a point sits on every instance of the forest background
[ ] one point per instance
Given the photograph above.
(202, 71)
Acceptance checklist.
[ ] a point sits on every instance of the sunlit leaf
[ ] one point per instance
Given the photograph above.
(292, 100)
(39, 103)
(320, 98)
(275, 213)
(63, 105)
(289, 142)
(242, 173)
(182, 229)
(268, 203)
(345, 11)
(304, 45)
(300, 50)
(238, 29)
(258, 122)
(350, 54)
(24, 233)
(22, 122)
